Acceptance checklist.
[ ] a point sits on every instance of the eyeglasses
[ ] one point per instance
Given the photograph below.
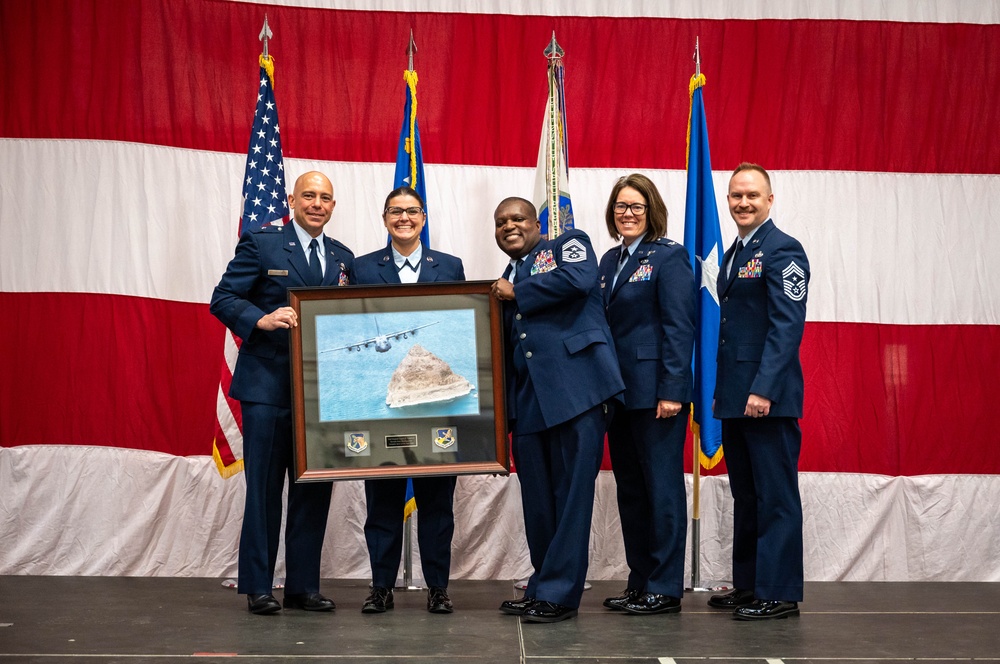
(638, 209)
(396, 212)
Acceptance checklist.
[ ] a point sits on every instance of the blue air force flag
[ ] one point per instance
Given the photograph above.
(409, 159)
(703, 240)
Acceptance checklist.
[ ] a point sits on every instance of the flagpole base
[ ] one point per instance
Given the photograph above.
(523, 585)
(277, 584)
(711, 587)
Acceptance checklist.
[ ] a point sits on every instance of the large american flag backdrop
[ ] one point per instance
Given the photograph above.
(123, 136)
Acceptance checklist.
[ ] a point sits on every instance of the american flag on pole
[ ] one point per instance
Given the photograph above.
(264, 201)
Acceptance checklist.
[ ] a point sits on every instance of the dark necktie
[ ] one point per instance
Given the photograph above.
(315, 269)
(623, 257)
(406, 263)
(517, 270)
(736, 257)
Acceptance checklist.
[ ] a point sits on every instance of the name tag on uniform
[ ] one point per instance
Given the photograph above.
(277, 273)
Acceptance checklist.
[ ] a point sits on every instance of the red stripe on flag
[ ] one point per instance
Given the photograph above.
(228, 442)
(791, 94)
(899, 399)
(108, 370)
(140, 373)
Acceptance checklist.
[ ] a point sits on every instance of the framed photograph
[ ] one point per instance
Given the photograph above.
(398, 381)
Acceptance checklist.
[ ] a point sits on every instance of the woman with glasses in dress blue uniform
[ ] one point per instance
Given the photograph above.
(649, 297)
(405, 260)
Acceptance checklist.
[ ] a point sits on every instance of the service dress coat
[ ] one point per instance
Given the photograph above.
(563, 358)
(267, 263)
(379, 267)
(762, 306)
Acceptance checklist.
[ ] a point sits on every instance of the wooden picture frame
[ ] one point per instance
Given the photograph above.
(399, 380)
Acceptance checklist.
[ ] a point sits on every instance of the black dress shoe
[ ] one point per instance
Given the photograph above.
(438, 600)
(648, 604)
(379, 601)
(262, 605)
(731, 600)
(547, 612)
(766, 609)
(516, 607)
(618, 603)
(309, 602)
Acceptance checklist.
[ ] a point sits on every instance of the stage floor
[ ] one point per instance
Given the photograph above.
(52, 620)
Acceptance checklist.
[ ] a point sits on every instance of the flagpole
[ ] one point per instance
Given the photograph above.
(253, 216)
(696, 583)
(554, 54)
(695, 453)
(411, 50)
(408, 584)
(408, 555)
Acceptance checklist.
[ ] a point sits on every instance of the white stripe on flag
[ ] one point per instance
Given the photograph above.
(919, 256)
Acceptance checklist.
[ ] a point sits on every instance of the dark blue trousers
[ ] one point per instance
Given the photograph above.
(762, 456)
(267, 460)
(435, 527)
(647, 456)
(557, 468)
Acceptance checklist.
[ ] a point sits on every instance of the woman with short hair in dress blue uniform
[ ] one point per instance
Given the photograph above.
(649, 297)
(405, 260)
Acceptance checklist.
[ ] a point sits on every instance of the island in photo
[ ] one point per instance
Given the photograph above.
(423, 377)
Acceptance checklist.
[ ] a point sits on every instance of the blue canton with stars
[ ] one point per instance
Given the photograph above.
(264, 198)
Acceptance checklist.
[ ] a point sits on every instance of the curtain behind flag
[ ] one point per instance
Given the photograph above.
(552, 173)
(409, 160)
(703, 240)
(264, 201)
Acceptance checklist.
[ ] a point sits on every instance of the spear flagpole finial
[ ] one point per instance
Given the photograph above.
(553, 51)
(411, 50)
(697, 58)
(265, 34)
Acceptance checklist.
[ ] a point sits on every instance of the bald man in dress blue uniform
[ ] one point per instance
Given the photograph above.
(758, 397)
(252, 301)
(406, 260)
(561, 372)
